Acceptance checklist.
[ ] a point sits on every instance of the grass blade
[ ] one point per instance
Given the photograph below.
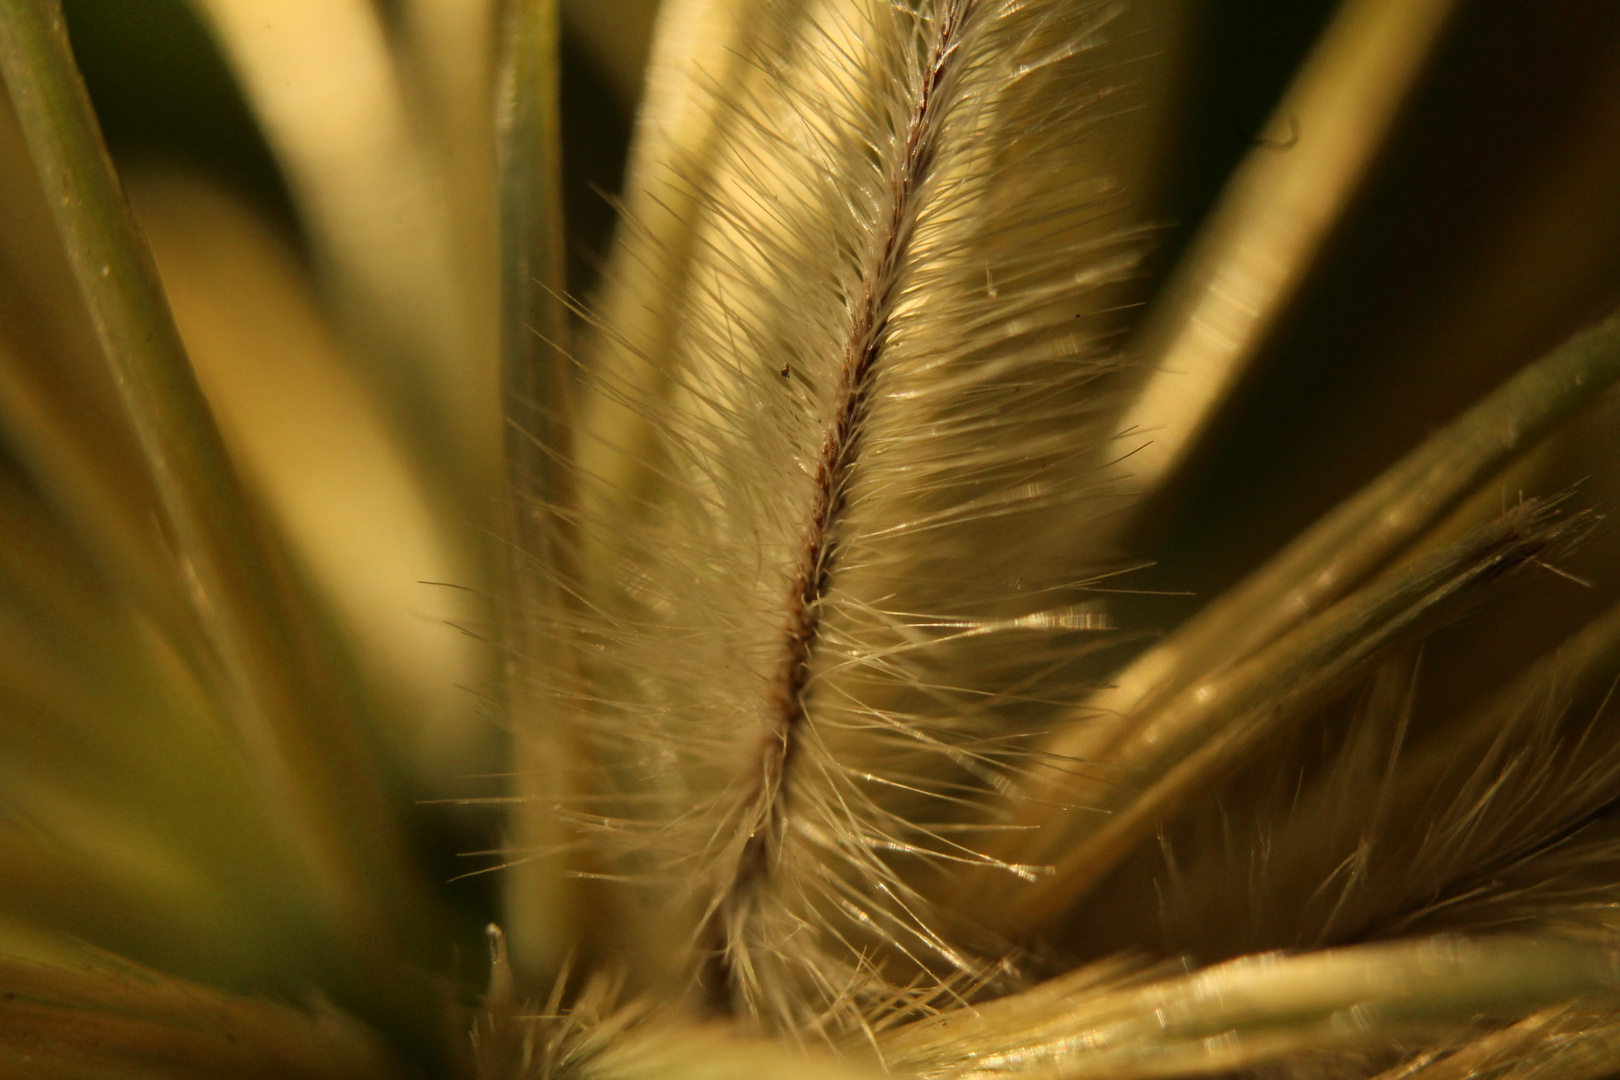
(540, 901)
(1262, 1009)
(260, 649)
(105, 1022)
(1256, 247)
(1386, 518)
(334, 102)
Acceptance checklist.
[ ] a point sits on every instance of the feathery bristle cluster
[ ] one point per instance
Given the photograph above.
(834, 604)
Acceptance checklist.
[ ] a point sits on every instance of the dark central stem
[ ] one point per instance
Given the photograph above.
(786, 712)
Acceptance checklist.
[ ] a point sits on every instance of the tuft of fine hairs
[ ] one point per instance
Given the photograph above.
(853, 565)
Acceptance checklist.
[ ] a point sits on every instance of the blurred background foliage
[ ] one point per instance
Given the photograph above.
(1489, 230)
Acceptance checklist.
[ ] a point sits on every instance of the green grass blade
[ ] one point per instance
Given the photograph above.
(539, 902)
(262, 651)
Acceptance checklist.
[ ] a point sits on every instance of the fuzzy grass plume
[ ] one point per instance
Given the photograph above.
(806, 643)
(892, 666)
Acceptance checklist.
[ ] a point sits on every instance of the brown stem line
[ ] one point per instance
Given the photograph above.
(786, 715)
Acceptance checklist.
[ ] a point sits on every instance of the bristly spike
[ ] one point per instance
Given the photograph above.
(821, 613)
(818, 560)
